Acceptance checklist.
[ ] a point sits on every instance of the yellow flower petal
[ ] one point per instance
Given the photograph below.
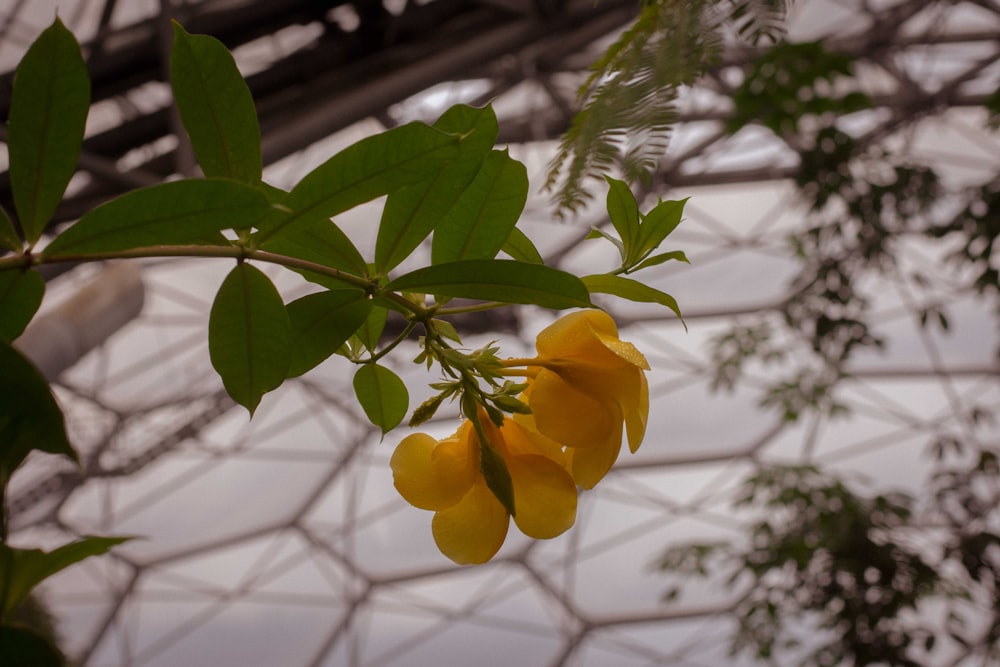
(589, 465)
(636, 415)
(544, 495)
(473, 530)
(432, 475)
(626, 351)
(574, 336)
(569, 416)
(521, 437)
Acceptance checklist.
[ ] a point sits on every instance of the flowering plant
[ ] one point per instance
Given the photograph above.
(583, 386)
(525, 446)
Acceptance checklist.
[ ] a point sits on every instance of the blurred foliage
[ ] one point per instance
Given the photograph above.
(791, 84)
(832, 576)
(863, 200)
(828, 575)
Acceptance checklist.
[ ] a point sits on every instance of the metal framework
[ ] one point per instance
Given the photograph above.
(281, 542)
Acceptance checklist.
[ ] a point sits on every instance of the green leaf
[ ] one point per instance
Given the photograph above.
(30, 418)
(661, 220)
(601, 234)
(482, 218)
(411, 212)
(427, 409)
(23, 569)
(446, 329)
(48, 112)
(323, 243)
(20, 296)
(382, 396)
(660, 259)
(371, 331)
(249, 336)
(504, 280)
(373, 167)
(174, 213)
(497, 477)
(632, 290)
(215, 106)
(23, 647)
(520, 247)
(9, 240)
(624, 213)
(321, 323)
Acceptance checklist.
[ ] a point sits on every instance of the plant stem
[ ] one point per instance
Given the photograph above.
(27, 260)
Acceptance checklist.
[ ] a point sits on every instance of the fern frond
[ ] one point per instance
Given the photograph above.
(629, 97)
(759, 21)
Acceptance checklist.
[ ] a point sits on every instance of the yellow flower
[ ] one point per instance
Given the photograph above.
(585, 384)
(470, 524)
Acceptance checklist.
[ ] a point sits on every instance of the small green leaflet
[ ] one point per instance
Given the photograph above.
(503, 280)
(639, 235)
(30, 418)
(48, 112)
(624, 213)
(661, 220)
(23, 569)
(249, 336)
(632, 290)
(660, 259)
(382, 396)
(20, 296)
(321, 323)
(174, 213)
(481, 220)
(215, 106)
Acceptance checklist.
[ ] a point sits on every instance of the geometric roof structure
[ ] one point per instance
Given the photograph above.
(281, 541)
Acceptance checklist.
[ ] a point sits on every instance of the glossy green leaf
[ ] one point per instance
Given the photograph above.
(373, 167)
(382, 396)
(48, 112)
(23, 569)
(9, 240)
(624, 213)
(321, 323)
(20, 296)
(215, 106)
(661, 258)
(411, 212)
(520, 247)
(174, 213)
(503, 280)
(30, 418)
(482, 218)
(632, 290)
(323, 243)
(661, 220)
(249, 336)
(371, 330)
